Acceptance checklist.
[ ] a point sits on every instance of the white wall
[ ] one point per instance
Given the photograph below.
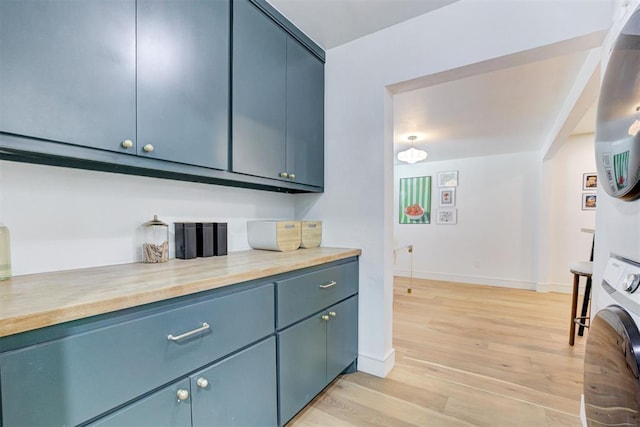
(493, 241)
(69, 218)
(496, 241)
(568, 244)
(357, 207)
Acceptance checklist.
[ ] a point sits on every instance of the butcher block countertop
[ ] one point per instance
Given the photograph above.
(38, 300)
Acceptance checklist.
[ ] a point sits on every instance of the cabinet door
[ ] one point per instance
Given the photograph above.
(302, 362)
(305, 115)
(67, 71)
(162, 408)
(183, 81)
(238, 391)
(342, 336)
(259, 85)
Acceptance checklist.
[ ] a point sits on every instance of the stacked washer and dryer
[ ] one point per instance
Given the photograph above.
(612, 354)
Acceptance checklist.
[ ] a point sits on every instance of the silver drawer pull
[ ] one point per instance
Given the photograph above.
(328, 285)
(202, 328)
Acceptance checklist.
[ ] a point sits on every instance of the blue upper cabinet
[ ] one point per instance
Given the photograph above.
(259, 93)
(305, 115)
(149, 77)
(68, 71)
(149, 87)
(277, 101)
(183, 81)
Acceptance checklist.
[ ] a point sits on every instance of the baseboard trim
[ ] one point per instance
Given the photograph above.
(375, 366)
(561, 288)
(475, 280)
(542, 288)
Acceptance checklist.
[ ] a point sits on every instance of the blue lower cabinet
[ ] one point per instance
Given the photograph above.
(342, 336)
(169, 407)
(55, 383)
(314, 352)
(238, 391)
(302, 361)
(209, 359)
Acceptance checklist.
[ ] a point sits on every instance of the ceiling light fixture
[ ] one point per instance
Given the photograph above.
(412, 155)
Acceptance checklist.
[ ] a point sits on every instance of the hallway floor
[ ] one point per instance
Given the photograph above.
(465, 355)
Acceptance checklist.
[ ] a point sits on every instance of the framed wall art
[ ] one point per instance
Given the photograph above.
(447, 216)
(415, 200)
(448, 179)
(447, 197)
(589, 201)
(590, 181)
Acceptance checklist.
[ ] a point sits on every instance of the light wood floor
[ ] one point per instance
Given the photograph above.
(465, 355)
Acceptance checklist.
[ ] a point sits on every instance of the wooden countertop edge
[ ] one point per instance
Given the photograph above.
(31, 321)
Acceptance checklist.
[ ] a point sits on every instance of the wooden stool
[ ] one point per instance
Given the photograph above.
(580, 269)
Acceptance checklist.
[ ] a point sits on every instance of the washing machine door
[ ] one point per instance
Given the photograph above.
(611, 366)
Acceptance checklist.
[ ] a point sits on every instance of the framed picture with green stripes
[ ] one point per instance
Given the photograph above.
(415, 200)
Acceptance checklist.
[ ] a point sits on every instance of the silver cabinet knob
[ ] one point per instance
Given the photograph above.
(292, 176)
(182, 394)
(325, 317)
(332, 314)
(202, 382)
(284, 175)
(148, 148)
(127, 143)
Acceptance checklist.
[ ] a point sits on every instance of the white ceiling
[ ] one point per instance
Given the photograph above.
(504, 111)
(350, 19)
(508, 110)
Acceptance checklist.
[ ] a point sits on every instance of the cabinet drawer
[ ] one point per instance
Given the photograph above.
(303, 295)
(68, 381)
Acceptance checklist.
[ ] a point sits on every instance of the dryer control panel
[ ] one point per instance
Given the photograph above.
(621, 279)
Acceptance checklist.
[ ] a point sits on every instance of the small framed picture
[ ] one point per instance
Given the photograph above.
(589, 201)
(447, 216)
(448, 197)
(448, 179)
(590, 181)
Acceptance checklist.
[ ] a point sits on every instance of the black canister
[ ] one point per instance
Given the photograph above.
(220, 238)
(186, 240)
(204, 239)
